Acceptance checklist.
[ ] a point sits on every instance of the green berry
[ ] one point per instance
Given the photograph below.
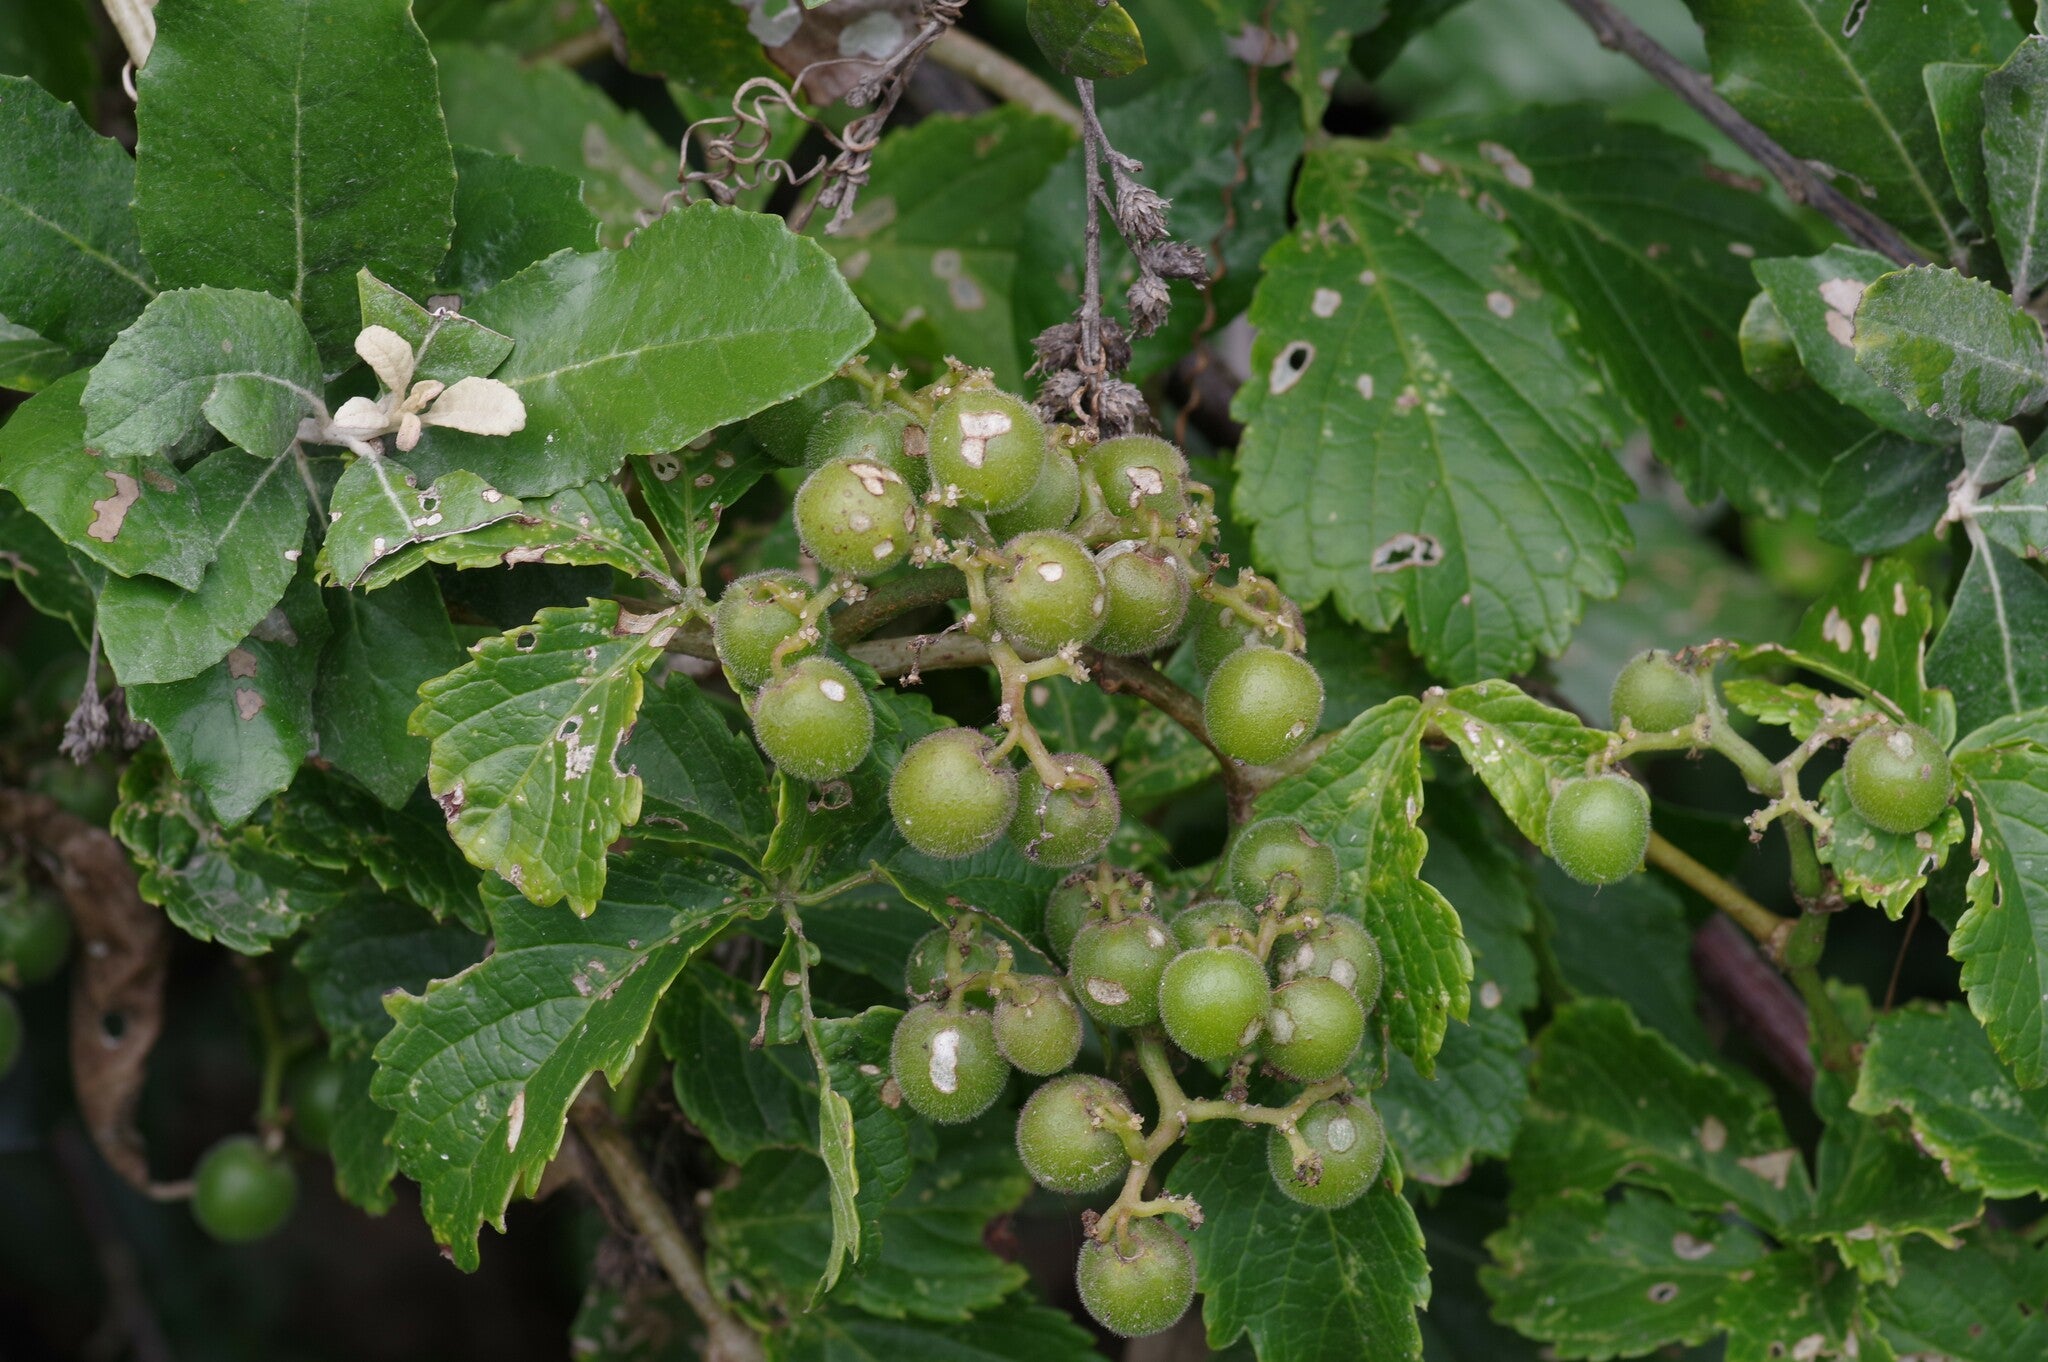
(946, 1063)
(314, 1091)
(1143, 1291)
(1262, 704)
(785, 430)
(1038, 1028)
(1140, 473)
(1898, 778)
(1277, 856)
(1339, 949)
(240, 1192)
(813, 721)
(1066, 1134)
(1054, 499)
(10, 1034)
(1071, 824)
(1051, 594)
(751, 620)
(1653, 694)
(989, 445)
(1313, 1028)
(1146, 594)
(1598, 828)
(1116, 966)
(854, 430)
(1201, 920)
(855, 516)
(1218, 631)
(924, 972)
(1349, 1143)
(35, 934)
(1070, 907)
(948, 800)
(1212, 1000)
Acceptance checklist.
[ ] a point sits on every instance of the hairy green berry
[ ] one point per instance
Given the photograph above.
(1070, 907)
(1217, 631)
(1338, 949)
(813, 721)
(1277, 858)
(854, 430)
(1116, 966)
(1147, 599)
(1195, 924)
(240, 1192)
(785, 430)
(1212, 1000)
(948, 799)
(946, 1063)
(1313, 1028)
(1038, 1028)
(1053, 500)
(1898, 778)
(1050, 595)
(924, 972)
(1141, 1290)
(855, 516)
(1262, 704)
(1066, 1134)
(1348, 1144)
(989, 445)
(1140, 473)
(751, 620)
(1071, 824)
(1653, 694)
(1598, 828)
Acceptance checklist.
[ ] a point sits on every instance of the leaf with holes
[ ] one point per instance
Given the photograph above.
(378, 509)
(1869, 636)
(689, 490)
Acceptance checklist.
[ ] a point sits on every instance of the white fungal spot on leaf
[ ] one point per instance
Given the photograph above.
(248, 704)
(1326, 302)
(1365, 386)
(1713, 1135)
(1511, 168)
(241, 664)
(515, 1120)
(1500, 304)
(1663, 1293)
(1873, 633)
(1689, 1248)
(1773, 1168)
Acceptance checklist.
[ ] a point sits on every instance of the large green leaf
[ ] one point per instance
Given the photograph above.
(509, 214)
(2002, 939)
(1989, 652)
(49, 576)
(1951, 345)
(266, 161)
(1817, 296)
(386, 645)
(482, 1067)
(327, 820)
(887, 1139)
(1470, 1110)
(744, 1097)
(1086, 39)
(73, 271)
(1629, 941)
(378, 510)
(1363, 796)
(129, 515)
(1979, 1303)
(1307, 1285)
(525, 744)
(1418, 440)
(1650, 248)
(1798, 1299)
(2016, 162)
(642, 350)
(932, 248)
(363, 948)
(254, 515)
(1838, 81)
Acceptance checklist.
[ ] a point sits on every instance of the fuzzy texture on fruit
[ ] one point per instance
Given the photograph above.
(1069, 908)
(784, 430)
(1653, 694)
(1195, 924)
(1218, 631)
(924, 972)
(1070, 825)
(1147, 595)
(1038, 1027)
(1598, 828)
(814, 721)
(1052, 594)
(854, 430)
(948, 801)
(1338, 949)
(1053, 500)
(1350, 1143)
(856, 517)
(946, 1063)
(1140, 473)
(1116, 966)
(749, 622)
(1066, 1134)
(1278, 853)
(1212, 1000)
(1262, 704)
(1143, 1293)
(1898, 778)
(989, 446)
(240, 1193)
(1313, 1028)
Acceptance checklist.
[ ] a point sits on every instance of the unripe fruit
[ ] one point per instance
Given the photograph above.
(1071, 824)
(241, 1193)
(1051, 595)
(1038, 1028)
(1898, 778)
(1212, 1000)
(1068, 909)
(1339, 949)
(1143, 1293)
(947, 1063)
(1653, 694)
(314, 1091)
(1116, 967)
(1053, 500)
(1218, 631)
(1066, 1134)
(1278, 854)
(988, 444)
(855, 516)
(1312, 1029)
(924, 972)
(813, 721)
(1195, 924)
(750, 621)
(1351, 1142)
(1598, 828)
(854, 430)
(1262, 704)
(10, 1034)
(1147, 599)
(947, 799)
(1139, 473)
(35, 935)
(785, 430)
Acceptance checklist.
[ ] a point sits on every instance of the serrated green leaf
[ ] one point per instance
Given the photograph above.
(1882, 869)
(1000, 881)
(703, 783)
(590, 525)
(1363, 796)
(1473, 861)
(1418, 441)
(385, 646)
(1086, 39)
(1817, 296)
(1613, 1103)
(1869, 635)
(642, 350)
(2016, 162)
(932, 248)
(1470, 1110)
(240, 728)
(689, 490)
(1839, 82)
(1517, 745)
(744, 1098)
(1015, 1331)
(1308, 1285)
(447, 346)
(1951, 346)
(254, 515)
(1798, 1300)
(326, 820)
(887, 1140)
(364, 947)
(525, 743)
(359, 1142)
(1789, 705)
(1626, 223)
(509, 214)
(1955, 91)
(1979, 1303)
(378, 509)
(2002, 939)
(132, 516)
(237, 361)
(1629, 941)
(67, 223)
(482, 1067)
(1597, 1280)
(28, 362)
(1988, 653)
(264, 162)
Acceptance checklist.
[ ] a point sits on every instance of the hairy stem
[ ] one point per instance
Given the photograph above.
(999, 75)
(1769, 929)
(934, 585)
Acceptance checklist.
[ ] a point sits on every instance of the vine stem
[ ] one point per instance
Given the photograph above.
(1802, 183)
(996, 73)
(727, 1339)
(1770, 930)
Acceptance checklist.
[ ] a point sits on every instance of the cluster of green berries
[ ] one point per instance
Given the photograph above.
(1065, 544)
(1268, 972)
